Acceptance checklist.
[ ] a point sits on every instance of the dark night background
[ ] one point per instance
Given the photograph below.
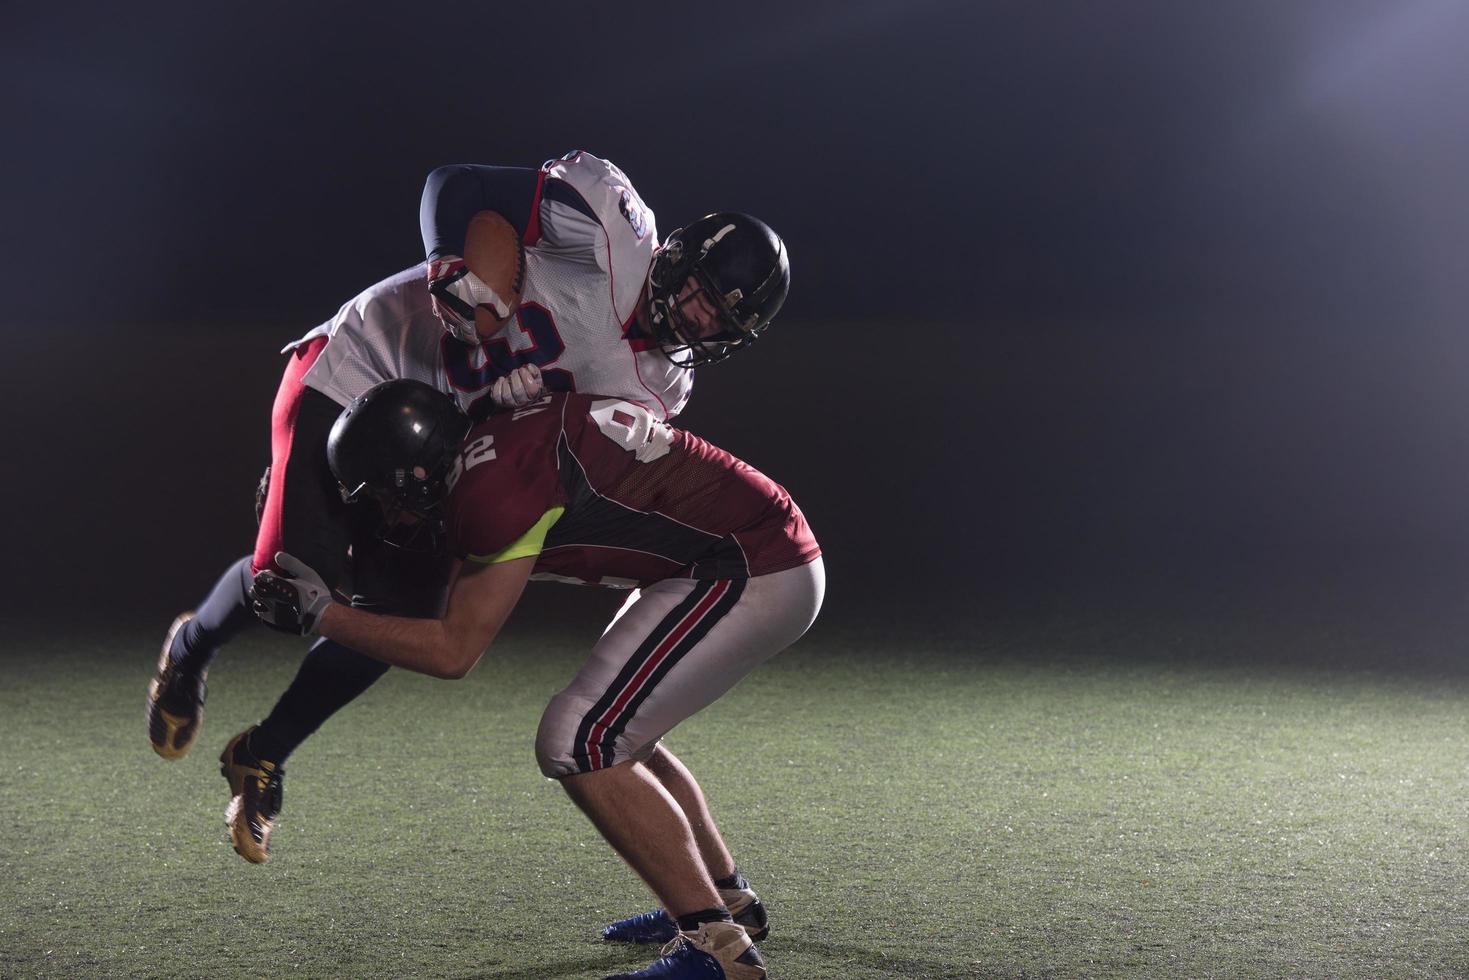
(1129, 303)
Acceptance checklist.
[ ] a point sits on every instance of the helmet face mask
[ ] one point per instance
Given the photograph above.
(411, 492)
(738, 265)
(394, 447)
(417, 530)
(685, 343)
(410, 515)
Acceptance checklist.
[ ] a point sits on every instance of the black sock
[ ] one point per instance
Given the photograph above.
(692, 921)
(734, 882)
(329, 678)
(223, 614)
(263, 749)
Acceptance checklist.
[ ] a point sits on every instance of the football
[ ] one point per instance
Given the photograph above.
(494, 253)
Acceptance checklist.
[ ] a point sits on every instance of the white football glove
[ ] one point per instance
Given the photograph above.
(454, 293)
(294, 602)
(518, 388)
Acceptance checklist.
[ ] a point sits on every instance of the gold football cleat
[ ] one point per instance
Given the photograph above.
(175, 701)
(256, 793)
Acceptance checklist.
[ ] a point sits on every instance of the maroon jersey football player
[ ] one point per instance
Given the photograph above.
(589, 490)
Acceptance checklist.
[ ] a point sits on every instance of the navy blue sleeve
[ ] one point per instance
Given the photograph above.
(455, 194)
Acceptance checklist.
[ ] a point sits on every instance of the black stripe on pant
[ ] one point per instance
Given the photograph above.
(640, 657)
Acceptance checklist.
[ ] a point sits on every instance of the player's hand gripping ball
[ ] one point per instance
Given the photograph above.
(293, 602)
(477, 293)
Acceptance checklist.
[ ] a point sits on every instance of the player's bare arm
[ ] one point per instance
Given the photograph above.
(479, 604)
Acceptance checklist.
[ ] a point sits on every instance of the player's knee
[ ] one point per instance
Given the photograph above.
(554, 761)
(556, 737)
(570, 740)
(244, 571)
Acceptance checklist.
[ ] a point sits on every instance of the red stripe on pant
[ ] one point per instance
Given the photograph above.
(282, 426)
(594, 738)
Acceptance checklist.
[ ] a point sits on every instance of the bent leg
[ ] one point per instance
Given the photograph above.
(222, 615)
(303, 514)
(300, 486)
(647, 828)
(685, 790)
(329, 678)
(679, 646)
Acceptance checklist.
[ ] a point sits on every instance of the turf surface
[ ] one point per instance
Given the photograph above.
(1032, 799)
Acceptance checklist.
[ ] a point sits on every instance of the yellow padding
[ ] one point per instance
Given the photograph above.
(528, 544)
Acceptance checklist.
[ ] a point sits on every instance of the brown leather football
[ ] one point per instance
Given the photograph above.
(494, 253)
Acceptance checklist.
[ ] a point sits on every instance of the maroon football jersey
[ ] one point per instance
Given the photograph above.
(640, 500)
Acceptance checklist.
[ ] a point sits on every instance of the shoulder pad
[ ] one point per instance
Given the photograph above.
(581, 187)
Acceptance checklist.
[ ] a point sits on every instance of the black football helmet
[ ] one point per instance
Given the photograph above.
(395, 444)
(739, 263)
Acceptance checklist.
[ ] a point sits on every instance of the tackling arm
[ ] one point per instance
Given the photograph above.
(479, 604)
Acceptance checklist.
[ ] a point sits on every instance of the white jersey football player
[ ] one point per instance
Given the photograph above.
(603, 309)
(585, 268)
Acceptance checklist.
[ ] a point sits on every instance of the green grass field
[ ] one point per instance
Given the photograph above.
(1036, 800)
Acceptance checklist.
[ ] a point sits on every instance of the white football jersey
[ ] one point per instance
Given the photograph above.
(588, 249)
